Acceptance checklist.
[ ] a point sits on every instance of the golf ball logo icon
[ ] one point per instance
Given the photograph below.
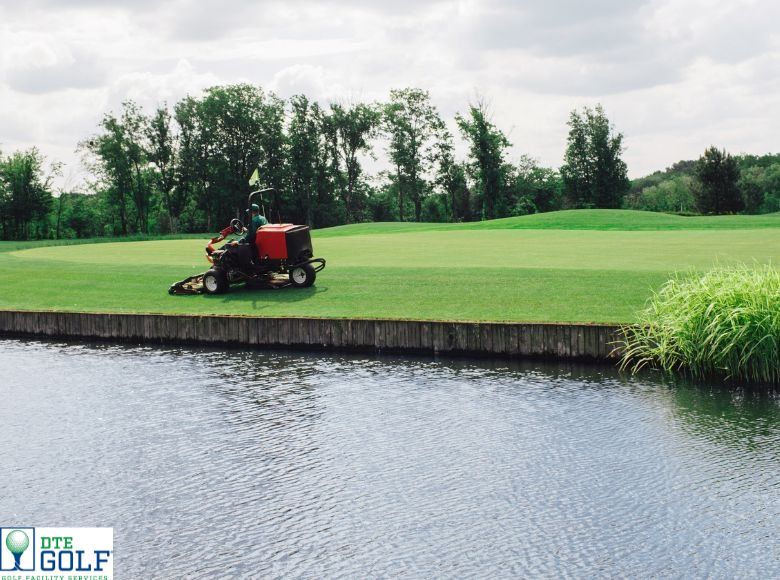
(17, 542)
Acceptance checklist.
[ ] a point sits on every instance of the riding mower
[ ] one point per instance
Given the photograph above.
(281, 256)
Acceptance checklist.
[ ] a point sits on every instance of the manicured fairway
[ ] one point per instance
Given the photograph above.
(551, 269)
(581, 219)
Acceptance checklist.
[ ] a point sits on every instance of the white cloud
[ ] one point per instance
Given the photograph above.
(674, 75)
(153, 89)
(303, 79)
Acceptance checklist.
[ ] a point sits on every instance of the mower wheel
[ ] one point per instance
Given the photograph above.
(302, 276)
(215, 282)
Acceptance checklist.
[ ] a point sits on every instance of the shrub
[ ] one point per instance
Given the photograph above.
(434, 209)
(674, 195)
(724, 323)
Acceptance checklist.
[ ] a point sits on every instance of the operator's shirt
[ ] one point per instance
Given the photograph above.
(257, 222)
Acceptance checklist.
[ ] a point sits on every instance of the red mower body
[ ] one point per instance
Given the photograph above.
(286, 243)
(271, 241)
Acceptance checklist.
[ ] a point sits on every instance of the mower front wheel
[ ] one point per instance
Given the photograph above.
(302, 276)
(215, 282)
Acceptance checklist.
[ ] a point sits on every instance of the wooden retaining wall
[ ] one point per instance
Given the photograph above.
(565, 341)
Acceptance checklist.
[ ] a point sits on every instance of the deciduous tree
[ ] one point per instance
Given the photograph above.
(487, 144)
(25, 194)
(451, 180)
(413, 125)
(162, 152)
(352, 129)
(307, 152)
(594, 175)
(717, 183)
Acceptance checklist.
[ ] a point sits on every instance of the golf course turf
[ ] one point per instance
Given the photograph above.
(571, 266)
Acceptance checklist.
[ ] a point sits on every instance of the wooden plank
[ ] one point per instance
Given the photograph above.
(574, 348)
(486, 336)
(538, 344)
(564, 340)
(602, 343)
(616, 339)
(513, 339)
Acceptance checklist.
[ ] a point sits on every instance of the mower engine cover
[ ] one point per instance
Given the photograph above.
(284, 242)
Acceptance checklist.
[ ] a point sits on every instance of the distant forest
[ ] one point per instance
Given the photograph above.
(750, 182)
(186, 168)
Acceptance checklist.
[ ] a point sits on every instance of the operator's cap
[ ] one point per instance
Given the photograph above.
(255, 207)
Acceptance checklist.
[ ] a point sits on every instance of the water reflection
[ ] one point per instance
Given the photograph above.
(253, 464)
(741, 416)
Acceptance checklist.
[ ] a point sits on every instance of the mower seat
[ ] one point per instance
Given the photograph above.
(246, 255)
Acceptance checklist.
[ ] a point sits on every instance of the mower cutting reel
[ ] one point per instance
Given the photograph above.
(197, 285)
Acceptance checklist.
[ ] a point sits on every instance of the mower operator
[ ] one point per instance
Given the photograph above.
(255, 223)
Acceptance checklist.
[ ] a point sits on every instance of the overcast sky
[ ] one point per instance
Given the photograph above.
(673, 75)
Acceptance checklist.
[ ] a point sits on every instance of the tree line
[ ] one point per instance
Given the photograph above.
(186, 168)
(716, 183)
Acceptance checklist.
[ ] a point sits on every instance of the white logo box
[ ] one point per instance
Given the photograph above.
(85, 552)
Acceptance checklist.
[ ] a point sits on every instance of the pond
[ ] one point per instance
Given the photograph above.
(232, 463)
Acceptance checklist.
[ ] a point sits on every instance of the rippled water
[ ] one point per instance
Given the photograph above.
(210, 463)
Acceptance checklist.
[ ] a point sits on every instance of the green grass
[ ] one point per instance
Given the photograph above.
(725, 322)
(572, 266)
(582, 219)
(6, 246)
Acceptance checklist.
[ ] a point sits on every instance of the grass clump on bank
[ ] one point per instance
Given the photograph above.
(725, 323)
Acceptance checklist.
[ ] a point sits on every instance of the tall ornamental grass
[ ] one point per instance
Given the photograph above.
(723, 323)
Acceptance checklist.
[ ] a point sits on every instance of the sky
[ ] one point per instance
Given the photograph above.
(674, 76)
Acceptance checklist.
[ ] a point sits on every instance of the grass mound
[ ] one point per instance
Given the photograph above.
(575, 219)
(725, 322)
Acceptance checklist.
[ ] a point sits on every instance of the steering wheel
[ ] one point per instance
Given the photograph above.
(237, 226)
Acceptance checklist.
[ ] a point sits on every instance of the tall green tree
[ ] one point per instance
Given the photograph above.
(413, 125)
(451, 179)
(487, 145)
(229, 120)
(305, 157)
(274, 145)
(119, 160)
(135, 123)
(25, 195)
(329, 179)
(162, 150)
(5, 197)
(351, 130)
(225, 135)
(111, 167)
(594, 174)
(191, 172)
(717, 183)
